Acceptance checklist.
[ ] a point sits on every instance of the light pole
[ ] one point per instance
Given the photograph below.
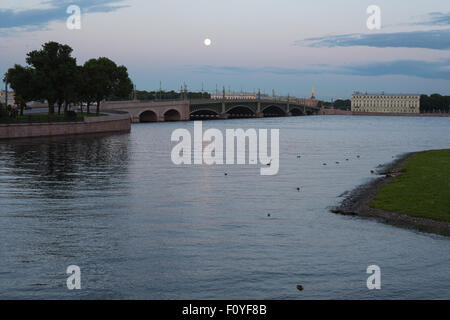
(5, 79)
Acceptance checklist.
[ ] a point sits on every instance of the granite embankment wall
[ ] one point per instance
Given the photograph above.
(101, 124)
(332, 111)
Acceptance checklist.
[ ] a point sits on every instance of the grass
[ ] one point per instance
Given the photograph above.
(423, 190)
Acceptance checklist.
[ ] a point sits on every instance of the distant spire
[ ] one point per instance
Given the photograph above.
(312, 94)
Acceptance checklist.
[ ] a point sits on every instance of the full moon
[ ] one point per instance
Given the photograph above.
(207, 42)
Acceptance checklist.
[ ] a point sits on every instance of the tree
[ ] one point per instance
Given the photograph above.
(54, 67)
(53, 75)
(85, 92)
(434, 102)
(123, 86)
(23, 81)
(342, 104)
(103, 79)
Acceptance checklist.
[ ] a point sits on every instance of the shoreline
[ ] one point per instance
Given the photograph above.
(357, 203)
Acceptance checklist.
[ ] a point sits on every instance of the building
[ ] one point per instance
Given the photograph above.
(311, 102)
(10, 97)
(385, 103)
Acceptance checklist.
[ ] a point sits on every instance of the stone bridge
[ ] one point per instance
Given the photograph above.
(247, 108)
(182, 110)
(151, 111)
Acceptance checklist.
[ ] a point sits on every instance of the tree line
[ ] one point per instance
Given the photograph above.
(434, 103)
(337, 104)
(52, 74)
(170, 95)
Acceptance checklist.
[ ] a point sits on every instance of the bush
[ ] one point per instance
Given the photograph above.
(71, 115)
(8, 112)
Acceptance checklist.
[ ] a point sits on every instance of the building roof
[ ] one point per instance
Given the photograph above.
(385, 94)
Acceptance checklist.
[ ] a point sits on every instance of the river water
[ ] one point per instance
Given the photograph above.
(140, 227)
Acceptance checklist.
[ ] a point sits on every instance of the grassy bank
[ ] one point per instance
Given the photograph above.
(422, 190)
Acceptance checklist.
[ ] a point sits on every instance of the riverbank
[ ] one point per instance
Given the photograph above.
(332, 111)
(391, 114)
(396, 198)
(109, 122)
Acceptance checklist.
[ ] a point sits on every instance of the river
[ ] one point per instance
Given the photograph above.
(140, 227)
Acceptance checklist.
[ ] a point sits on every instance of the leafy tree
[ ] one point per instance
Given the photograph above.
(434, 102)
(169, 95)
(23, 81)
(342, 104)
(105, 79)
(123, 86)
(53, 75)
(85, 92)
(54, 67)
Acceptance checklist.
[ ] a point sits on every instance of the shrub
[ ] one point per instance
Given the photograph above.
(71, 115)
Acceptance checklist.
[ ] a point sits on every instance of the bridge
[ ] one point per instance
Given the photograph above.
(151, 111)
(245, 108)
(182, 110)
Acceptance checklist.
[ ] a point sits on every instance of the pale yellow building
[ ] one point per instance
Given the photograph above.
(386, 103)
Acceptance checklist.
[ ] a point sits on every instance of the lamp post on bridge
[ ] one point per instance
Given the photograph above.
(5, 79)
(287, 105)
(258, 105)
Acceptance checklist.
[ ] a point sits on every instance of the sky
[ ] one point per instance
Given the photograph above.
(289, 46)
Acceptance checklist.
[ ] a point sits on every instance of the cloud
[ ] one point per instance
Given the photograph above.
(410, 68)
(436, 19)
(413, 68)
(230, 70)
(54, 10)
(433, 39)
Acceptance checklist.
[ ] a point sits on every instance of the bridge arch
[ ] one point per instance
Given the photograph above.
(204, 113)
(148, 116)
(273, 110)
(172, 115)
(241, 111)
(297, 111)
